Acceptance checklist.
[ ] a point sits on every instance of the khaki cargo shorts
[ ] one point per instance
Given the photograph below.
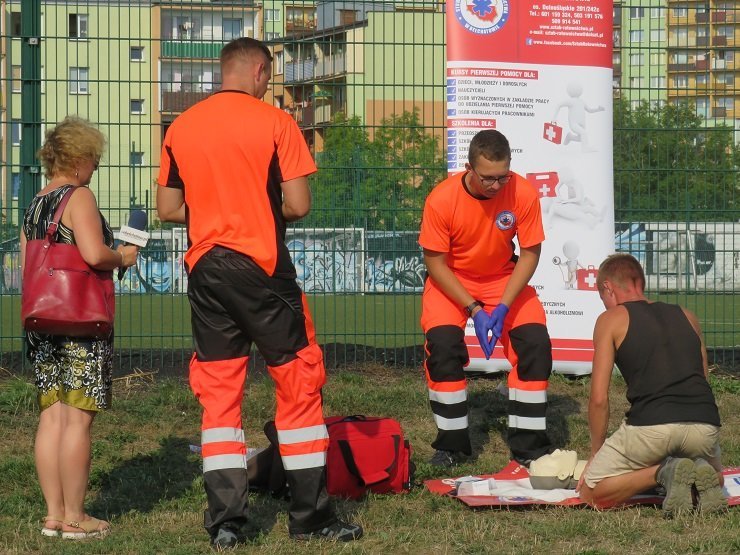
(635, 447)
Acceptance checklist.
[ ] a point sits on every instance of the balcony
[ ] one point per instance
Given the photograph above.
(189, 49)
(303, 115)
(331, 65)
(723, 64)
(298, 25)
(682, 67)
(719, 40)
(702, 41)
(719, 17)
(702, 17)
(176, 102)
(300, 70)
(719, 112)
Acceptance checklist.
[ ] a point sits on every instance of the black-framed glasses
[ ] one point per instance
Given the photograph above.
(488, 181)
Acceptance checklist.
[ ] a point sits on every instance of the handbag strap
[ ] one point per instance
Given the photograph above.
(52, 229)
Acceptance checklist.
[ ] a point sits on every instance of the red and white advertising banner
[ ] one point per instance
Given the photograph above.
(541, 73)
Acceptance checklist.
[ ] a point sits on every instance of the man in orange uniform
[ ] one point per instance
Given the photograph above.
(234, 169)
(469, 223)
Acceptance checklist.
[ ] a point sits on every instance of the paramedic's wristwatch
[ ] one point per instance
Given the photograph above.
(471, 307)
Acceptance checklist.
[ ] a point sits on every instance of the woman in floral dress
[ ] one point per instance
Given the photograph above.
(73, 375)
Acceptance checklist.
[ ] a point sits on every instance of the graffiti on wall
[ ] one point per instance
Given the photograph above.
(355, 260)
(327, 260)
(668, 252)
(394, 262)
(10, 266)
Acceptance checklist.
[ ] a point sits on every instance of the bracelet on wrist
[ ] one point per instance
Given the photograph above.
(471, 307)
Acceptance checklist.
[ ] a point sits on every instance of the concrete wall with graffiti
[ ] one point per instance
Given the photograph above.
(681, 256)
(676, 256)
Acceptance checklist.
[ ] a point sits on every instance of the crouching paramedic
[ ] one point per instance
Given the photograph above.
(234, 170)
(468, 225)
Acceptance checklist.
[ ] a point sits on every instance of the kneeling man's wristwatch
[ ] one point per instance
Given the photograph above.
(471, 307)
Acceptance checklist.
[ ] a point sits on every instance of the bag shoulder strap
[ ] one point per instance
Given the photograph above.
(52, 229)
(368, 476)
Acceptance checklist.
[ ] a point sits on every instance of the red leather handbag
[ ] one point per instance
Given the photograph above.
(61, 294)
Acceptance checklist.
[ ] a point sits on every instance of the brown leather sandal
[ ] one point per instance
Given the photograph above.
(52, 526)
(91, 527)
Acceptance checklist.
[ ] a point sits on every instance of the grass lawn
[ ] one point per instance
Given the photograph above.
(146, 481)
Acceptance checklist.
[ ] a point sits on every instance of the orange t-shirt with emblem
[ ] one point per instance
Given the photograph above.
(230, 153)
(477, 234)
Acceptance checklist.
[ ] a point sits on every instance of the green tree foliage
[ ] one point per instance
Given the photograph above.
(669, 166)
(376, 178)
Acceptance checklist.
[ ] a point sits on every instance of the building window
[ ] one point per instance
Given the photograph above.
(680, 11)
(637, 59)
(702, 8)
(15, 84)
(636, 36)
(702, 106)
(657, 59)
(702, 78)
(726, 79)
(279, 101)
(272, 36)
(15, 24)
(272, 15)
(347, 17)
(300, 19)
(726, 102)
(15, 132)
(680, 58)
(682, 36)
(658, 82)
(137, 105)
(15, 184)
(656, 13)
(636, 13)
(78, 80)
(278, 62)
(137, 54)
(186, 27)
(657, 35)
(232, 28)
(680, 81)
(616, 58)
(726, 31)
(636, 82)
(77, 26)
(137, 158)
(725, 55)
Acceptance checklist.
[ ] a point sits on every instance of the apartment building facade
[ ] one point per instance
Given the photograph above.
(680, 51)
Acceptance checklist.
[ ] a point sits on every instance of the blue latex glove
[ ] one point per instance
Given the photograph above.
(496, 323)
(481, 321)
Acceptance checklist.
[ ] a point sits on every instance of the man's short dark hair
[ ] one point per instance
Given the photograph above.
(621, 269)
(243, 47)
(490, 144)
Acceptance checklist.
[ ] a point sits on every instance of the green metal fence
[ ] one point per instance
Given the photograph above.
(366, 83)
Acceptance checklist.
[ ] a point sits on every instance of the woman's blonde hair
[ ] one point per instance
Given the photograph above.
(72, 141)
